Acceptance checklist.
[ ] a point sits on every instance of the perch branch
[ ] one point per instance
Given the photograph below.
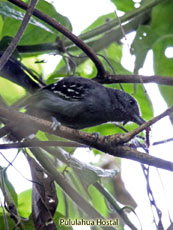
(108, 144)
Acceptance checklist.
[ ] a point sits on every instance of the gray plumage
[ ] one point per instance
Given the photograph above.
(80, 103)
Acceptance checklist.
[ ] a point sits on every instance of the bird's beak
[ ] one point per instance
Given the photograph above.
(138, 120)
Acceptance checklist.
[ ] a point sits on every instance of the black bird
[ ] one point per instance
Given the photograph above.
(79, 103)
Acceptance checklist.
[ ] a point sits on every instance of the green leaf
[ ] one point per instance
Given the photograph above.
(162, 18)
(100, 21)
(11, 92)
(10, 188)
(164, 65)
(114, 55)
(24, 203)
(8, 9)
(124, 5)
(104, 129)
(142, 44)
(11, 223)
(57, 217)
(98, 200)
(50, 10)
(146, 36)
(37, 31)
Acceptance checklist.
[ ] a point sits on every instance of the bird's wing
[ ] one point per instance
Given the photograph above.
(71, 88)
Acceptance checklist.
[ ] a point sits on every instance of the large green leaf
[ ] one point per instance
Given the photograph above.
(7, 9)
(162, 18)
(146, 36)
(164, 65)
(50, 10)
(142, 44)
(37, 31)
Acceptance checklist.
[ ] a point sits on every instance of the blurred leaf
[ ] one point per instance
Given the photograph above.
(61, 206)
(124, 5)
(10, 92)
(100, 21)
(114, 51)
(98, 200)
(41, 32)
(28, 224)
(50, 10)
(10, 188)
(8, 9)
(104, 129)
(146, 36)
(24, 203)
(11, 224)
(114, 55)
(162, 18)
(142, 44)
(164, 65)
(121, 193)
(57, 218)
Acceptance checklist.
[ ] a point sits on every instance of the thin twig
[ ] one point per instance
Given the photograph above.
(8, 52)
(128, 136)
(36, 144)
(163, 141)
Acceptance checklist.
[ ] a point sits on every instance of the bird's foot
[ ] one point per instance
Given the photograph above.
(55, 123)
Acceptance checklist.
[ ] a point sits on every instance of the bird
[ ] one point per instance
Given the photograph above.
(79, 103)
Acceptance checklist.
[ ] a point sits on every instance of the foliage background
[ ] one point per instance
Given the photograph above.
(155, 34)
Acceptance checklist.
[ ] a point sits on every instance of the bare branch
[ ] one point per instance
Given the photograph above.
(128, 136)
(36, 144)
(163, 142)
(163, 80)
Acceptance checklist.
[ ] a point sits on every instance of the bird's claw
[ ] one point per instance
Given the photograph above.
(55, 123)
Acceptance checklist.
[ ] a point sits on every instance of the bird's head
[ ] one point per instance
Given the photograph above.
(128, 107)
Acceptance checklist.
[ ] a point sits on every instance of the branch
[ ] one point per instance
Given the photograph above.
(128, 136)
(113, 23)
(42, 144)
(136, 79)
(8, 52)
(108, 144)
(52, 22)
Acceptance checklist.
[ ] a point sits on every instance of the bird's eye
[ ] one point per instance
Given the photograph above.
(132, 102)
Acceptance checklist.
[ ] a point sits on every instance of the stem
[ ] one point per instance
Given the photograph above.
(109, 25)
(8, 52)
